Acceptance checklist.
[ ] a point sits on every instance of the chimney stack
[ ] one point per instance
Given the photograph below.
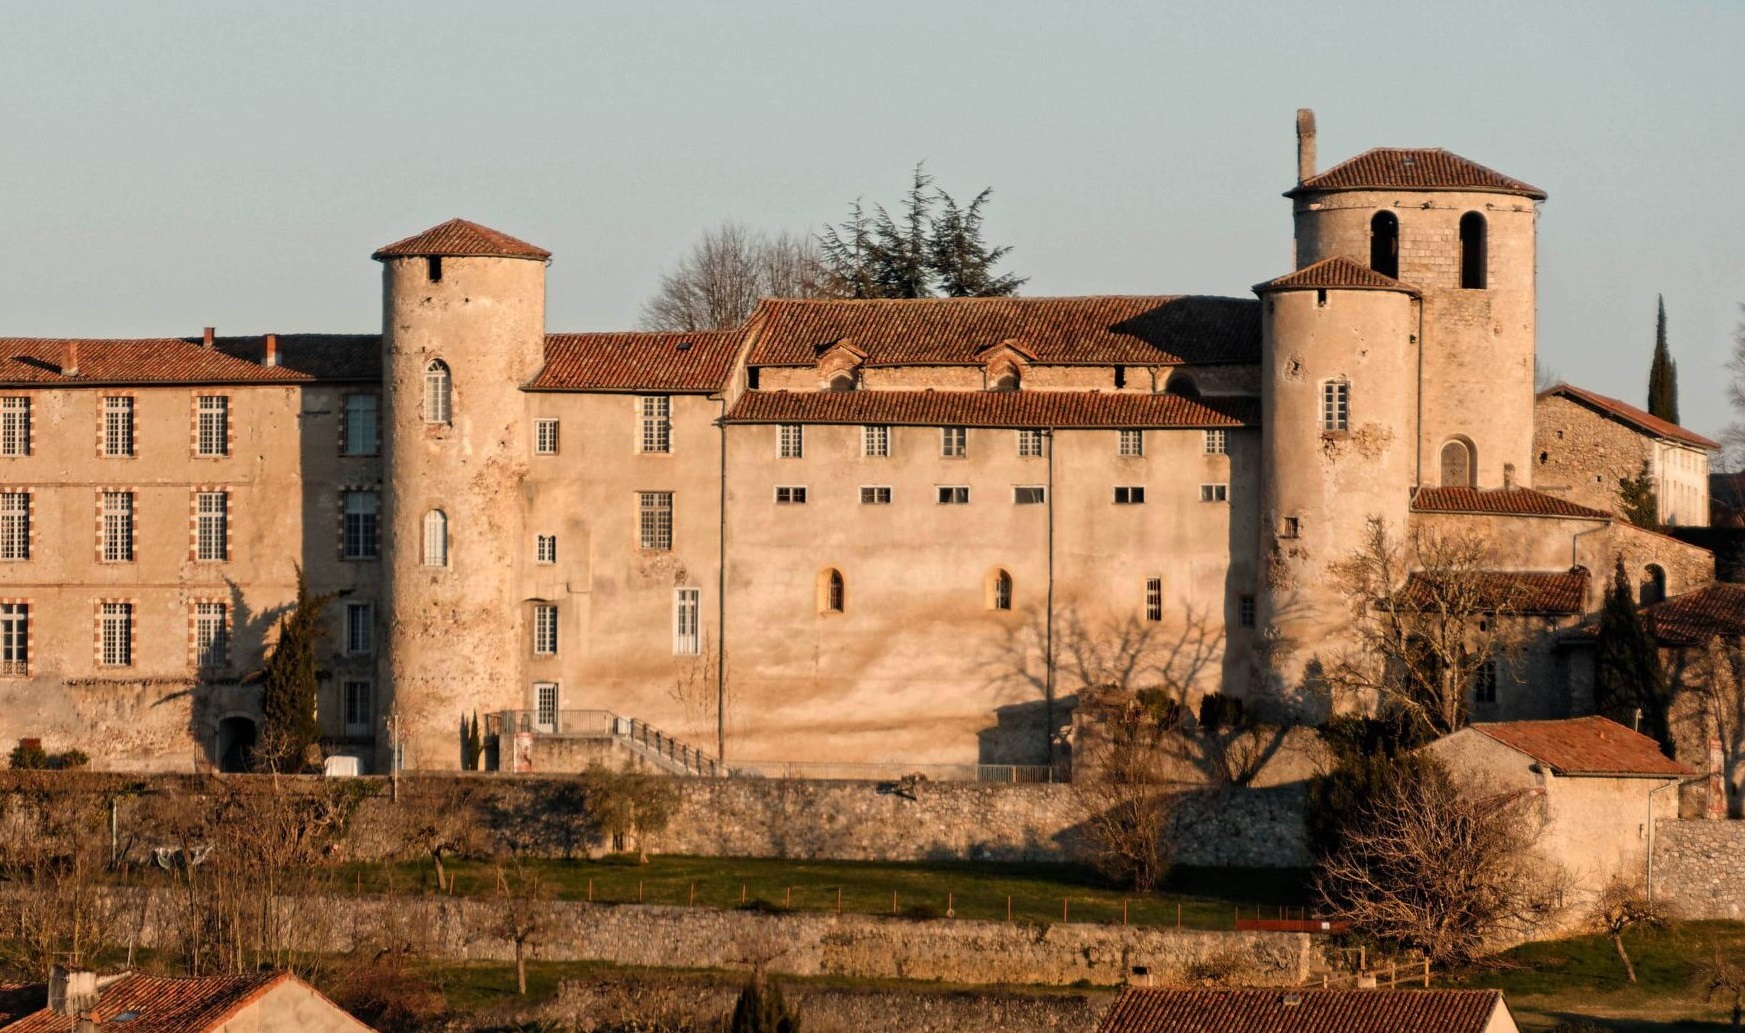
(70, 361)
(1305, 144)
(72, 991)
(1509, 476)
(206, 338)
(272, 350)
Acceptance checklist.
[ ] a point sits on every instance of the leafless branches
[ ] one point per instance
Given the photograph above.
(717, 284)
(1623, 906)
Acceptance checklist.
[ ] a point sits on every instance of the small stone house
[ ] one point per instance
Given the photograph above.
(82, 1001)
(1148, 1010)
(1585, 442)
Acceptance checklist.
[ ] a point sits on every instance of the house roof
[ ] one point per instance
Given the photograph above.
(1588, 746)
(637, 361)
(1414, 168)
(1115, 330)
(462, 239)
(1148, 1010)
(1066, 409)
(1696, 617)
(20, 999)
(163, 1004)
(1500, 502)
(348, 357)
(41, 362)
(1641, 419)
(1524, 592)
(1336, 273)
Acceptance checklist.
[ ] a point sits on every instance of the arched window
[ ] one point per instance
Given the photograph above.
(1473, 261)
(1653, 588)
(436, 538)
(842, 382)
(1183, 385)
(1000, 590)
(1457, 465)
(832, 591)
(1005, 380)
(437, 392)
(1384, 244)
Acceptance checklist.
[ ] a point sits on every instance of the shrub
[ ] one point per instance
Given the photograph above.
(29, 755)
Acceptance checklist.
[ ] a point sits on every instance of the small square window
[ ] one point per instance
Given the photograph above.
(953, 442)
(1029, 495)
(876, 441)
(1130, 495)
(875, 496)
(545, 437)
(1132, 443)
(790, 441)
(1214, 493)
(791, 495)
(1290, 527)
(1029, 443)
(545, 549)
(954, 495)
(1217, 443)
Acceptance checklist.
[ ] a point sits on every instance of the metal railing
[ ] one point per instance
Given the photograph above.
(891, 771)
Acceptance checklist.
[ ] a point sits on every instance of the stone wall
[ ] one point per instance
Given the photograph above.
(1699, 867)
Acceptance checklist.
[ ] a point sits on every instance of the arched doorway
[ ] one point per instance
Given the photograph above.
(236, 739)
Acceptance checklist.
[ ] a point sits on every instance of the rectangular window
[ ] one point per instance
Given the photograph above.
(545, 706)
(687, 621)
(362, 516)
(118, 426)
(875, 440)
(545, 549)
(545, 437)
(1290, 527)
(1217, 443)
(212, 526)
(545, 629)
(1336, 405)
(790, 440)
(116, 633)
(360, 629)
(14, 426)
(212, 435)
(1245, 611)
(655, 519)
(1130, 495)
(791, 495)
(1029, 495)
(363, 436)
(657, 424)
(360, 715)
(15, 525)
(211, 636)
(954, 495)
(118, 527)
(1029, 443)
(1214, 493)
(953, 442)
(1484, 682)
(14, 640)
(1132, 443)
(875, 496)
(1154, 598)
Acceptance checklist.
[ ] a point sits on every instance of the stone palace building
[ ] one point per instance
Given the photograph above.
(848, 531)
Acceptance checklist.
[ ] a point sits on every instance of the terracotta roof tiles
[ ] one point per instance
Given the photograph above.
(1501, 502)
(1641, 419)
(1585, 746)
(1339, 273)
(41, 362)
(1523, 592)
(1065, 409)
(682, 362)
(1148, 1010)
(462, 239)
(163, 1004)
(1696, 617)
(1414, 168)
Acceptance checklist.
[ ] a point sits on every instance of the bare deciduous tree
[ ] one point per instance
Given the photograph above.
(1722, 976)
(522, 896)
(1623, 906)
(719, 281)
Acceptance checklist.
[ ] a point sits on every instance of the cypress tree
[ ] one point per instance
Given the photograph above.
(1628, 676)
(760, 1009)
(1663, 374)
(476, 745)
(288, 686)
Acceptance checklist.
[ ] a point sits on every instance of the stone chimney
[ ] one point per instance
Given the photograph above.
(1305, 144)
(70, 361)
(206, 337)
(71, 991)
(1509, 476)
(272, 358)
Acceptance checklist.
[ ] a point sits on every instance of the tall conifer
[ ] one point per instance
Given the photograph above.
(288, 685)
(1663, 374)
(1628, 676)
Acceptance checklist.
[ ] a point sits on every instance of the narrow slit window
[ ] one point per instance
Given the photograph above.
(1000, 591)
(1245, 611)
(438, 393)
(1384, 244)
(833, 592)
(1154, 598)
(687, 621)
(1474, 262)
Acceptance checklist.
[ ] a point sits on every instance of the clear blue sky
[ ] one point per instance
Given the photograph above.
(177, 165)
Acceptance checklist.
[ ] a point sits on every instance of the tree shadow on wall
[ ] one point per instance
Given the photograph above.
(216, 691)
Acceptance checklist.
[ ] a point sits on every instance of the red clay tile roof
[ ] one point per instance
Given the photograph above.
(37, 362)
(462, 239)
(164, 1004)
(1641, 419)
(1585, 746)
(1339, 273)
(637, 361)
(1500, 502)
(1414, 168)
(1513, 591)
(1148, 1010)
(20, 999)
(953, 331)
(1067, 409)
(1696, 617)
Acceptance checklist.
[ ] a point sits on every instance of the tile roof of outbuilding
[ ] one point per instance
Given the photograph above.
(1148, 1010)
(462, 239)
(1523, 592)
(682, 362)
(1585, 746)
(163, 1004)
(1113, 330)
(39, 362)
(1641, 419)
(1336, 273)
(1063, 409)
(1500, 502)
(1414, 168)
(1696, 617)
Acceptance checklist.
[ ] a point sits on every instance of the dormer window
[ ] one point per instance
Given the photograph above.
(842, 382)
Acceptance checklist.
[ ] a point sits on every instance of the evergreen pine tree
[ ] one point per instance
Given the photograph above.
(289, 678)
(848, 255)
(962, 261)
(1663, 374)
(476, 745)
(1638, 499)
(1628, 676)
(760, 1009)
(901, 268)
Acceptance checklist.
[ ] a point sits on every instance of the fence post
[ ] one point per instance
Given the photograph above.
(788, 897)
(1178, 914)
(1008, 907)
(693, 901)
(893, 902)
(839, 900)
(639, 891)
(590, 891)
(1123, 912)
(1063, 910)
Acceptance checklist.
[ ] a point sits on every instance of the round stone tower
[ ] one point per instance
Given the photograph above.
(463, 327)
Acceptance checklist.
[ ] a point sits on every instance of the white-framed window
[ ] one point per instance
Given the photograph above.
(1154, 598)
(656, 415)
(655, 520)
(790, 440)
(212, 433)
(791, 495)
(14, 640)
(545, 629)
(363, 428)
(14, 426)
(118, 425)
(1029, 443)
(438, 392)
(545, 549)
(362, 522)
(1129, 494)
(1000, 591)
(875, 495)
(360, 629)
(115, 631)
(118, 527)
(954, 495)
(1130, 443)
(436, 538)
(1217, 442)
(1484, 682)
(15, 525)
(1245, 611)
(953, 442)
(687, 621)
(1214, 493)
(360, 714)
(545, 706)
(211, 635)
(875, 441)
(1336, 405)
(1029, 495)
(212, 526)
(832, 592)
(545, 437)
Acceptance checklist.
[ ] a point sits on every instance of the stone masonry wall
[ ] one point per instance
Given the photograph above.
(1699, 867)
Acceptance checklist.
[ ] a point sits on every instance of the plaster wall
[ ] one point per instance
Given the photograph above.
(290, 1008)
